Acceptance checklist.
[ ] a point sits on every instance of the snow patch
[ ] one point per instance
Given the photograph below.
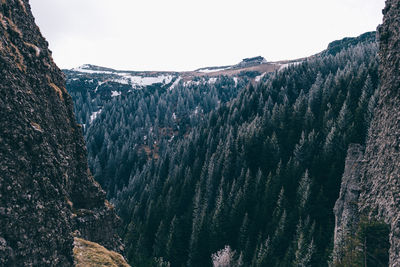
(98, 85)
(140, 81)
(191, 82)
(285, 66)
(86, 69)
(115, 93)
(212, 80)
(120, 81)
(236, 81)
(175, 84)
(145, 81)
(212, 70)
(94, 115)
(259, 77)
(136, 81)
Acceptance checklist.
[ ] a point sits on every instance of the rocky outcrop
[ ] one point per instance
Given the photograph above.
(46, 190)
(89, 254)
(379, 197)
(346, 207)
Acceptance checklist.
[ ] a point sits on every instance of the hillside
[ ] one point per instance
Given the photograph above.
(155, 109)
(249, 167)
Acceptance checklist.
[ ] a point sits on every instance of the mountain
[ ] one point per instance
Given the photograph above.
(261, 175)
(290, 163)
(232, 167)
(118, 82)
(155, 109)
(47, 194)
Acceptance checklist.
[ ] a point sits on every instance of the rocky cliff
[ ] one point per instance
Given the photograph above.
(380, 195)
(346, 207)
(379, 177)
(46, 190)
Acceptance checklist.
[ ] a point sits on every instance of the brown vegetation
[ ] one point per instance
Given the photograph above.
(90, 254)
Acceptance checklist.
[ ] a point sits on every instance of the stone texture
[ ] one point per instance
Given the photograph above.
(46, 190)
(379, 197)
(346, 207)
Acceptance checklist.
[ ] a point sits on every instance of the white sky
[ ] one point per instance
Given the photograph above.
(187, 34)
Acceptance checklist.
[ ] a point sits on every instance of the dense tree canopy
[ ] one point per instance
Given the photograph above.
(197, 170)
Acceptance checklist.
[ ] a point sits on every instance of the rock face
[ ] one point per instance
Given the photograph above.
(346, 208)
(380, 196)
(380, 172)
(46, 190)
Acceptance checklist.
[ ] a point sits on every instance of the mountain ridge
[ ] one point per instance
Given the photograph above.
(332, 48)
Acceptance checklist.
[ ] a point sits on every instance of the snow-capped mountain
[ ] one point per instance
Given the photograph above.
(112, 83)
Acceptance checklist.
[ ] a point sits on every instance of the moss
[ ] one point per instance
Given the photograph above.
(90, 254)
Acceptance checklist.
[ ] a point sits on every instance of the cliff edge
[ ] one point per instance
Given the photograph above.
(380, 194)
(46, 190)
(378, 179)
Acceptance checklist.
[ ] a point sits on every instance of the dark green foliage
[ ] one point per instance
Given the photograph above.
(336, 46)
(261, 174)
(258, 169)
(368, 247)
(140, 124)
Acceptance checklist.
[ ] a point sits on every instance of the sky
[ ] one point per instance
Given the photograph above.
(178, 35)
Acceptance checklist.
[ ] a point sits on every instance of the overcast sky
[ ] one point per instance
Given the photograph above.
(188, 34)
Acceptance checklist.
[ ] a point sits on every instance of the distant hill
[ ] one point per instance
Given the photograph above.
(337, 46)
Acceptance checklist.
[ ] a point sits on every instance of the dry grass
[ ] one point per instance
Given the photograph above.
(14, 27)
(89, 254)
(11, 48)
(23, 6)
(58, 90)
(3, 22)
(262, 68)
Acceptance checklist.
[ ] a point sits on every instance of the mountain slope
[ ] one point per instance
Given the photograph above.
(150, 117)
(260, 174)
(46, 190)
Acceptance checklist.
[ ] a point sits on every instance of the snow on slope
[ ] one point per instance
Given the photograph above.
(136, 81)
(212, 70)
(284, 66)
(115, 93)
(94, 115)
(175, 84)
(258, 78)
